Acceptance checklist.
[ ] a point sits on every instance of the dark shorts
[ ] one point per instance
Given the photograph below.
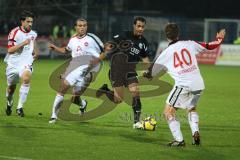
(121, 78)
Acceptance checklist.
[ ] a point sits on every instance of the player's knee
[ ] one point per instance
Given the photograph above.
(169, 113)
(169, 116)
(193, 109)
(135, 93)
(11, 89)
(26, 79)
(118, 100)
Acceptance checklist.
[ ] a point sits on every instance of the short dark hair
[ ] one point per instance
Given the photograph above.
(26, 14)
(172, 31)
(139, 19)
(79, 19)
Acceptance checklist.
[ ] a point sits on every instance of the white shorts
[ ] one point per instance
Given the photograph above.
(182, 97)
(76, 79)
(14, 73)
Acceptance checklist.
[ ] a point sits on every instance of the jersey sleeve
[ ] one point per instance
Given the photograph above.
(69, 46)
(160, 64)
(117, 38)
(144, 50)
(203, 46)
(13, 38)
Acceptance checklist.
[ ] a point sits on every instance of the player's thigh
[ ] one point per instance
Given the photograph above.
(182, 97)
(134, 89)
(119, 93)
(82, 84)
(12, 75)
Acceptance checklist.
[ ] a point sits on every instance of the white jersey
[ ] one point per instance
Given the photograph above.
(23, 56)
(87, 45)
(179, 59)
(82, 49)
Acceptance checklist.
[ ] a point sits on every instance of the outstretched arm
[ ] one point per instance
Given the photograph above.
(62, 50)
(214, 44)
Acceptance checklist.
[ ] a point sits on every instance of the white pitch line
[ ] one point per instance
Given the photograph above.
(15, 158)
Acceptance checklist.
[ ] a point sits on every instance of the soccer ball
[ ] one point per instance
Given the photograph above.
(149, 124)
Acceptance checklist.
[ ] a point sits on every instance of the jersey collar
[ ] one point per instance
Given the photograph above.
(175, 41)
(23, 30)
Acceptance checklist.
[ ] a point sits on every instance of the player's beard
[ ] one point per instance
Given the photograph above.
(27, 29)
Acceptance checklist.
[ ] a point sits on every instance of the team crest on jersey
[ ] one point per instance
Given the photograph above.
(140, 45)
(32, 38)
(86, 44)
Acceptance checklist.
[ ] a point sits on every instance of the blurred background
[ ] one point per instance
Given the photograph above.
(198, 20)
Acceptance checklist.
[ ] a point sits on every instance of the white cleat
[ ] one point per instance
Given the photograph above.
(138, 125)
(52, 120)
(83, 108)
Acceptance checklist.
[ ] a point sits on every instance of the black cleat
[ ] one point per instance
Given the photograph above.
(102, 90)
(8, 110)
(20, 112)
(196, 139)
(83, 108)
(177, 144)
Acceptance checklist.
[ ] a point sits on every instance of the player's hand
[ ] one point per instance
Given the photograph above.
(26, 42)
(147, 75)
(51, 46)
(35, 56)
(109, 46)
(221, 34)
(94, 61)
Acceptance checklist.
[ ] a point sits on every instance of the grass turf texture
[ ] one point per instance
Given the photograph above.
(111, 136)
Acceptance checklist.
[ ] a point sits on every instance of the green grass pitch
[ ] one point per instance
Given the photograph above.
(111, 136)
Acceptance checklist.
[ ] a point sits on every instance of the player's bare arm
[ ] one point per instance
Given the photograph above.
(36, 51)
(62, 50)
(15, 48)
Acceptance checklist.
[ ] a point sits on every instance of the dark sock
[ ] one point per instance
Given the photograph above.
(76, 100)
(136, 105)
(110, 95)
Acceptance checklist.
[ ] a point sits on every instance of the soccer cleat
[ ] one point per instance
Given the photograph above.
(20, 112)
(83, 108)
(52, 120)
(8, 110)
(176, 144)
(196, 139)
(138, 125)
(102, 90)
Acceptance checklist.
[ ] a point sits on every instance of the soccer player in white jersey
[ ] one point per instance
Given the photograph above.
(22, 51)
(179, 61)
(80, 45)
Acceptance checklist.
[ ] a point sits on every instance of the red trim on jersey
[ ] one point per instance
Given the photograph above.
(24, 30)
(9, 46)
(14, 34)
(212, 45)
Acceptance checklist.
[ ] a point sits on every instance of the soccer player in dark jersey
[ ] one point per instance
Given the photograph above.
(125, 51)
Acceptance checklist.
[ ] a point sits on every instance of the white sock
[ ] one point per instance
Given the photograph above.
(193, 120)
(9, 98)
(83, 104)
(23, 92)
(174, 126)
(56, 105)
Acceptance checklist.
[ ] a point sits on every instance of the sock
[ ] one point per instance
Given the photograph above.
(9, 98)
(78, 101)
(193, 120)
(110, 95)
(137, 106)
(174, 126)
(23, 92)
(56, 105)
